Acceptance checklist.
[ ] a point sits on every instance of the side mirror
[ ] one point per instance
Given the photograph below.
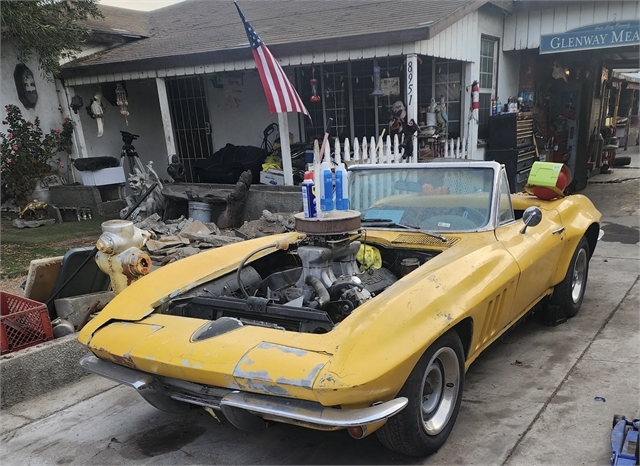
(531, 217)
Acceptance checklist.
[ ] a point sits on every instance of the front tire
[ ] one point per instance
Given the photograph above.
(434, 390)
(569, 293)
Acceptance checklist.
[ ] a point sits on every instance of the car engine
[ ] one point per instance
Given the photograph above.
(307, 287)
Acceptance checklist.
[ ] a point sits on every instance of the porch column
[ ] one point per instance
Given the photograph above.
(471, 72)
(285, 148)
(79, 148)
(166, 118)
(412, 98)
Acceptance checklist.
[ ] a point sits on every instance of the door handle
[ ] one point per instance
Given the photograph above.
(557, 231)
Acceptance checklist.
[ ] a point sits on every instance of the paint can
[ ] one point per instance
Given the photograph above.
(200, 211)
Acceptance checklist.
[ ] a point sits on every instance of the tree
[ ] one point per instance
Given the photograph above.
(47, 29)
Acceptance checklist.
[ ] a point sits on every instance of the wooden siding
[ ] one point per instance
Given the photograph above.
(452, 43)
(523, 30)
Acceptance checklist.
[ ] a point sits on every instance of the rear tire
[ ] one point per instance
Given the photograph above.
(569, 293)
(434, 390)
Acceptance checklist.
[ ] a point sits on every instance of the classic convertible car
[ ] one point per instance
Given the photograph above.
(364, 320)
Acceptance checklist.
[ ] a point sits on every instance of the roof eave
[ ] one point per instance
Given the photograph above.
(77, 69)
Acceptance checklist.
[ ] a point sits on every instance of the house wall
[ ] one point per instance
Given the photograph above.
(239, 113)
(48, 107)
(144, 120)
(522, 31)
(453, 43)
(491, 21)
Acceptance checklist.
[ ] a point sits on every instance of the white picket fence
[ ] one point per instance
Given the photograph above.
(387, 150)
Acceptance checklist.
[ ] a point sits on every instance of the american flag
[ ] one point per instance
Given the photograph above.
(281, 95)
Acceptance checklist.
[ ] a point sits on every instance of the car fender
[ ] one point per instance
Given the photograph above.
(139, 300)
(454, 286)
(579, 218)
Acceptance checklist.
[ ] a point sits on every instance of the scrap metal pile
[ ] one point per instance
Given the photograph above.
(173, 240)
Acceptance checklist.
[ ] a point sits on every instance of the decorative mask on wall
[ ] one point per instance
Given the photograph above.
(25, 85)
(76, 103)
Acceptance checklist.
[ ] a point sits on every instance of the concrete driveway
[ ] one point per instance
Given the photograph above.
(540, 395)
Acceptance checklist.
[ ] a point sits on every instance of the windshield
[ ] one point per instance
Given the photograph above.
(433, 198)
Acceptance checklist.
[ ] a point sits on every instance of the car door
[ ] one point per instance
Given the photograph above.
(536, 251)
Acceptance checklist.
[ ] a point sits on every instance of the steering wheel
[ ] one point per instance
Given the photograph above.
(469, 219)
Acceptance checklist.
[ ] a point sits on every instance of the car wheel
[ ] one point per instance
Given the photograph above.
(434, 390)
(568, 294)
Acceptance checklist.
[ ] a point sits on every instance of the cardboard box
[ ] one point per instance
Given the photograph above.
(272, 177)
(113, 175)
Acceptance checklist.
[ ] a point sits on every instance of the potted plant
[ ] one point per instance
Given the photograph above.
(28, 155)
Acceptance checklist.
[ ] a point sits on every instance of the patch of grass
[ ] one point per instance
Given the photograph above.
(21, 246)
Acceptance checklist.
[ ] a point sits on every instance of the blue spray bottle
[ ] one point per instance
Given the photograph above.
(342, 187)
(326, 180)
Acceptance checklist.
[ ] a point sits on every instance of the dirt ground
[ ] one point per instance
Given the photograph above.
(12, 285)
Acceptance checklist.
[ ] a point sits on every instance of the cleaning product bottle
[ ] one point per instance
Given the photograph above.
(309, 195)
(342, 187)
(326, 180)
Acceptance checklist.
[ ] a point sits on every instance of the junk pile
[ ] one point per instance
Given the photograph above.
(173, 240)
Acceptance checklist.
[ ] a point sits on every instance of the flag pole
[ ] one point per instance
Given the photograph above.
(281, 95)
(285, 148)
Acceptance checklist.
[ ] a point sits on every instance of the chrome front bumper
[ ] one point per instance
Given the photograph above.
(244, 410)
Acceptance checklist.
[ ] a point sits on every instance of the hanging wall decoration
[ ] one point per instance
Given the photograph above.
(377, 91)
(97, 112)
(25, 86)
(314, 87)
(121, 101)
(76, 103)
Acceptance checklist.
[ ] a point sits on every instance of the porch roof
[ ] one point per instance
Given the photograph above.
(209, 31)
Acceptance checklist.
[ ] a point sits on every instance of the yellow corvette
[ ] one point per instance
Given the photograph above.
(364, 320)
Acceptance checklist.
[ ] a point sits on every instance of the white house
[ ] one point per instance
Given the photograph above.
(192, 86)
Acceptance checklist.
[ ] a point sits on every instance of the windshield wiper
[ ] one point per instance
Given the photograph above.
(386, 222)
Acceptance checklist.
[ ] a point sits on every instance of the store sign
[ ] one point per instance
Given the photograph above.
(596, 36)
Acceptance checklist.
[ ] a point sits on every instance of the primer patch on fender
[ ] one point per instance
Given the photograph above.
(268, 365)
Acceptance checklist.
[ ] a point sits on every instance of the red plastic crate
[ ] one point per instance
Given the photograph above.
(23, 323)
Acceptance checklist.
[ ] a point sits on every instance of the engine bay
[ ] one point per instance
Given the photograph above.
(307, 287)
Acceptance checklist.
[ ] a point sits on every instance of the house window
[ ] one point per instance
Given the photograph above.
(488, 80)
(393, 77)
(345, 95)
(333, 90)
(440, 78)
(448, 78)
(364, 111)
